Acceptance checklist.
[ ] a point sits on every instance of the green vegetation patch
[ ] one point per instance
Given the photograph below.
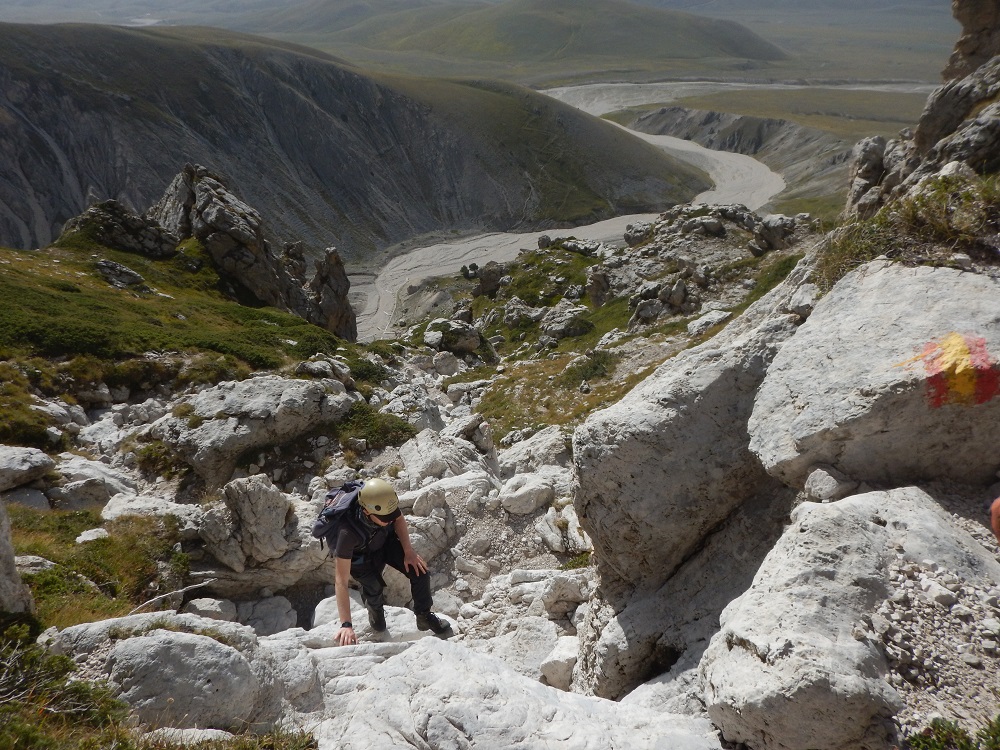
(942, 734)
(380, 430)
(948, 215)
(40, 315)
(97, 580)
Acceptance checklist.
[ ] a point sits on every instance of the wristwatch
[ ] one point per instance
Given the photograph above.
(347, 624)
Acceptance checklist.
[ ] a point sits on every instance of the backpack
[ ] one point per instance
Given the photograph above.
(336, 509)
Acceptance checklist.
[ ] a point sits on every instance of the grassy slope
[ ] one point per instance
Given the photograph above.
(523, 40)
(544, 136)
(565, 29)
(850, 115)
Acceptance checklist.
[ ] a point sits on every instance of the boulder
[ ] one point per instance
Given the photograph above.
(550, 446)
(267, 616)
(213, 609)
(221, 423)
(912, 391)
(14, 595)
(557, 667)
(471, 700)
(184, 680)
(431, 455)
(789, 668)
(20, 466)
(189, 517)
(566, 320)
(452, 335)
(524, 494)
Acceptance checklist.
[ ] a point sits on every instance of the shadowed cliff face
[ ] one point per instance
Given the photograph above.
(331, 157)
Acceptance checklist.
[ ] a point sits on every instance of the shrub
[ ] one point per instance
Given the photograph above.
(158, 459)
(600, 364)
(575, 563)
(942, 735)
(380, 430)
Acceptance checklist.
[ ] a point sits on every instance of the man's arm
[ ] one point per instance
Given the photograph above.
(410, 558)
(345, 636)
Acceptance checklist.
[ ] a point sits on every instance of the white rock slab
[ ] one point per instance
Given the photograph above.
(893, 378)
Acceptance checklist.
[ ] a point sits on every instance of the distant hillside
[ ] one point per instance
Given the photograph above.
(531, 30)
(328, 155)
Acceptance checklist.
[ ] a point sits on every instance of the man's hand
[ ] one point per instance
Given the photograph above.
(412, 560)
(346, 637)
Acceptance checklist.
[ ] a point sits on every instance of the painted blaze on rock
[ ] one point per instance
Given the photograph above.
(960, 371)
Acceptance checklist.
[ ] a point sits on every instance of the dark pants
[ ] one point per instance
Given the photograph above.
(367, 570)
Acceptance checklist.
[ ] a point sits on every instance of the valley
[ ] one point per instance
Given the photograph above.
(671, 340)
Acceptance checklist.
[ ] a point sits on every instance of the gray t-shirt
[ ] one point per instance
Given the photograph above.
(350, 541)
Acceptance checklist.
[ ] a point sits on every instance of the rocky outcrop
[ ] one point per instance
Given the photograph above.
(658, 474)
(198, 204)
(213, 428)
(799, 661)
(960, 121)
(911, 392)
(14, 595)
(980, 38)
(111, 224)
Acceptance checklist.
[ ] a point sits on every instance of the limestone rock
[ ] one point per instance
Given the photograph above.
(20, 466)
(912, 391)
(267, 616)
(525, 493)
(111, 224)
(980, 38)
(210, 684)
(557, 667)
(825, 484)
(198, 204)
(452, 335)
(189, 517)
(548, 447)
(14, 595)
(466, 699)
(669, 461)
(788, 670)
(431, 455)
(213, 609)
(566, 320)
(233, 417)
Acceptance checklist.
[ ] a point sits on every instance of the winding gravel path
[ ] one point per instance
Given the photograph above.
(737, 178)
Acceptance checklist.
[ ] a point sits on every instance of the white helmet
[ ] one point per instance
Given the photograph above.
(379, 498)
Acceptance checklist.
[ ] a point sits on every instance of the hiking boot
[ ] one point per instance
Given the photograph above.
(376, 617)
(431, 621)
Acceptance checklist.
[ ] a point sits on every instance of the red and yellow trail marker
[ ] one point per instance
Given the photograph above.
(960, 371)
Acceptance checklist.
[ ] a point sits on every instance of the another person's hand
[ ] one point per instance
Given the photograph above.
(346, 637)
(412, 560)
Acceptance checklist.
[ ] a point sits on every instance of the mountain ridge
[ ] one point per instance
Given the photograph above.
(333, 156)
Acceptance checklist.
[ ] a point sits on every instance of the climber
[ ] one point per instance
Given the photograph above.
(375, 536)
